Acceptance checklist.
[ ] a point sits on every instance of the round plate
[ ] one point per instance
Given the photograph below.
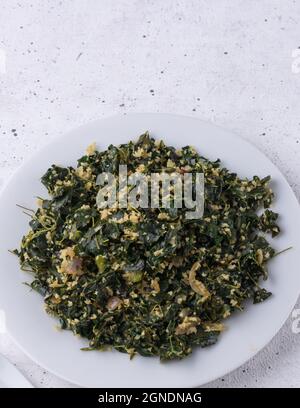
(59, 351)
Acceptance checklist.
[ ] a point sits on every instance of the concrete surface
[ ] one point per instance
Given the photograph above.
(235, 63)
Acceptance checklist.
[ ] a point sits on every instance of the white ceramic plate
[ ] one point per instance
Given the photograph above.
(59, 351)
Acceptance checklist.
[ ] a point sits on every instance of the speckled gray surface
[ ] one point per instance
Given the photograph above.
(226, 61)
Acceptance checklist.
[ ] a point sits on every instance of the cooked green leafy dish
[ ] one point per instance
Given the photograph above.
(148, 280)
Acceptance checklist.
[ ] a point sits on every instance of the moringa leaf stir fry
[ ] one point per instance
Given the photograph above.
(148, 280)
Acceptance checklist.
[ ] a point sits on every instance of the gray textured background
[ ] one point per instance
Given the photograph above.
(229, 62)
